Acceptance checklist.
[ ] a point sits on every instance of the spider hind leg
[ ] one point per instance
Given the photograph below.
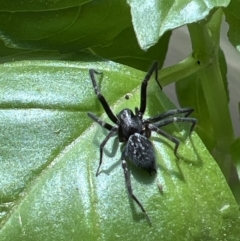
(129, 188)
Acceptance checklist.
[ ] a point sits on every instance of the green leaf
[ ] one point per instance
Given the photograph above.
(152, 18)
(190, 93)
(235, 154)
(39, 5)
(233, 19)
(68, 25)
(50, 152)
(125, 49)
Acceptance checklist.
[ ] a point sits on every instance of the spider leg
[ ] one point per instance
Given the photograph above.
(101, 98)
(100, 122)
(129, 187)
(152, 127)
(143, 98)
(168, 113)
(107, 138)
(177, 119)
(112, 129)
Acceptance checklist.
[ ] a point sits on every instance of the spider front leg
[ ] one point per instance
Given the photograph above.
(129, 187)
(177, 119)
(186, 111)
(143, 98)
(113, 130)
(101, 98)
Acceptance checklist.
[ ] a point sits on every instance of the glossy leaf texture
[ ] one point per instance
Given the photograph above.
(151, 19)
(49, 153)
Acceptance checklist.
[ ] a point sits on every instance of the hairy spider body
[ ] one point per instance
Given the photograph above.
(132, 129)
(128, 124)
(139, 150)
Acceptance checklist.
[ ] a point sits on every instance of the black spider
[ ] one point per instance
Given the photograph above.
(135, 131)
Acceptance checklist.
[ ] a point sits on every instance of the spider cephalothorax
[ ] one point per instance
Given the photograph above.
(134, 130)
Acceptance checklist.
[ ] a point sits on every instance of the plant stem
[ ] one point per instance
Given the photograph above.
(205, 43)
(179, 71)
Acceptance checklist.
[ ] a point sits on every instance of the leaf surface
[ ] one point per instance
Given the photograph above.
(151, 19)
(49, 153)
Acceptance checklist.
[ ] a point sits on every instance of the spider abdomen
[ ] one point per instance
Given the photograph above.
(140, 152)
